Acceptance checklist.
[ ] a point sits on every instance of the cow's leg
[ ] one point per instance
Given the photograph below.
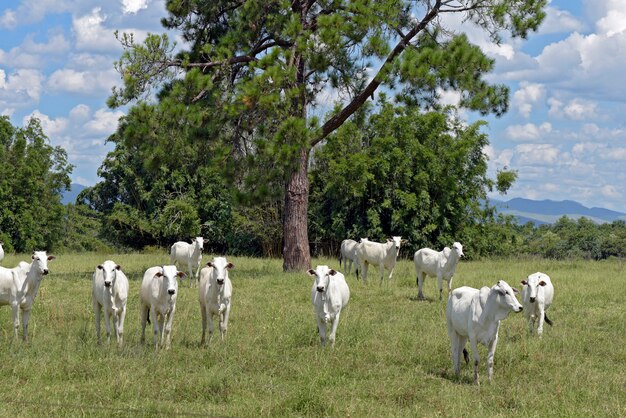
(203, 313)
(490, 355)
(541, 318)
(382, 273)
(25, 318)
(440, 284)
(333, 330)
(211, 324)
(15, 313)
(420, 284)
(190, 273)
(168, 329)
(120, 326)
(476, 356)
(531, 324)
(155, 326)
(107, 323)
(96, 312)
(196, 280)
(321, 328)
(454, 350)
(364, 268)
(144, 319)
(224, 321)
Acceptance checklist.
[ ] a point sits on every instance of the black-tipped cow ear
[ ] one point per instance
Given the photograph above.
(158, 274)
(118, 267)
(332, 272)
(99, 266)
(51, 257)
(230, 266)
(524, 282)
(515, 290)
(209, 264)
(180, 274)
(311, 272)
(542, 283)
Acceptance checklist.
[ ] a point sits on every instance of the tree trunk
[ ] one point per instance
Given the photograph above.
(296, 255)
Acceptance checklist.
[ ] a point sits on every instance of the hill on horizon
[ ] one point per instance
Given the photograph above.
(549, 211)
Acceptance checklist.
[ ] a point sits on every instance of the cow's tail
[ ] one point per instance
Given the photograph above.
(548, 321)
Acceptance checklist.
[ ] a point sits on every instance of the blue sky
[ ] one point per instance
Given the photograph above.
(565, 131)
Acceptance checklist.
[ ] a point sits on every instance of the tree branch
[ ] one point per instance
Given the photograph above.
(337, 120)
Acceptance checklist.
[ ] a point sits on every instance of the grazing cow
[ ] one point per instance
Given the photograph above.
(537, 295)
(441, 265)
(109, 295)
(379, 254)
(476, 314)
(190, 255)
(19, 286)
(158, 299)
(347, 254)
(214, 295)
(330, 294)
(1, 251)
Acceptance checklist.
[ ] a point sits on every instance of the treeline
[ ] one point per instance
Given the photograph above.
(395, 171)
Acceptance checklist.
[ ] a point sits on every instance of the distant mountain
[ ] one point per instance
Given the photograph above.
(69, 196)
(549, 211)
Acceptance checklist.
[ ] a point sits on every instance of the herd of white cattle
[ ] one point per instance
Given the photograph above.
(471, 314)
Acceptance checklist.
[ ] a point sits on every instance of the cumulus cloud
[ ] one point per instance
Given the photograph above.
(610, 191)
(51, 127)
(527, 96)
(560, 21)
(528, 132)
(82, 82)
(133, 6)
(104, 122)
(536, 154)
(21, 86)
(91, 34)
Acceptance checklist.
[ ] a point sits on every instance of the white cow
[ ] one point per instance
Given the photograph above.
(189, 254)
(537, 295)
(19, 286)
(1, 251)
(379, 254)
(109, 295)
(158, 299)
(330, 294)
(214, 295)
(476, 314)
(439, 264)
(347, 254)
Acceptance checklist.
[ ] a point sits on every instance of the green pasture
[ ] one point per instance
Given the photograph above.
(391, 357)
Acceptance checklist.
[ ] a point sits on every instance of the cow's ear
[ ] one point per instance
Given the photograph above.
(51, 257)
(230, 266)
(209, 264)
(118, 267)
(311, 272)
(404, 241)
(99, 267)
(524, 282)
(515, 290)
(389, 240)
(332, 272)
(158, 274)
(206, 241)
(542, 283)
(180, 274)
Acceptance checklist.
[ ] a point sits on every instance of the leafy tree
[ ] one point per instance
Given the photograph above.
(33, 174)
(264, 66)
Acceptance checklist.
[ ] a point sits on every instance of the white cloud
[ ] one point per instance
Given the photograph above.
(91, 34)
(133, 6)
(21, 84)
(8, 20)
(51, 127)
(559, 21)
(103, 123)
(80, 112)
(527, 96)
(528, 132)
(610, 191)
(82, 82)
(536, 154)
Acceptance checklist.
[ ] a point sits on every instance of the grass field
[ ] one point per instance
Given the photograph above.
(391, 357)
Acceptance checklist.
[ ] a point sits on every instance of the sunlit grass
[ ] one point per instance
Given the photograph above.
(391, 357)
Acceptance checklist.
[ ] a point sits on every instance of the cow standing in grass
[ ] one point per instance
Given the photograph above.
(439, 264)
(158, 299)
(537, 296)
(330, 294)
(109, 296)
(379, 254)
(19, 286)
(475, 315)
(214, 294)
(190, 255)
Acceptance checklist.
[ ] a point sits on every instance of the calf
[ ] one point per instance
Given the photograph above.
(439, 264)
(379, 254)
(537, 295)
(330, 294)
(476, 314)
(158, 299)
(109, 295)
(19, 286)
(189, 254)
(214, 295)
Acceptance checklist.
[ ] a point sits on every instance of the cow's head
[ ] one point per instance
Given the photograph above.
(322, 277)
(40, 262)
(458, 248)
(220, 269)
(532, 283)
(198, 243)
(109, 270)
(397, 242)
(506, 296)
(170, 275)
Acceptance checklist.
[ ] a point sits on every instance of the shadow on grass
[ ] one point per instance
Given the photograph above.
(417, 299)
